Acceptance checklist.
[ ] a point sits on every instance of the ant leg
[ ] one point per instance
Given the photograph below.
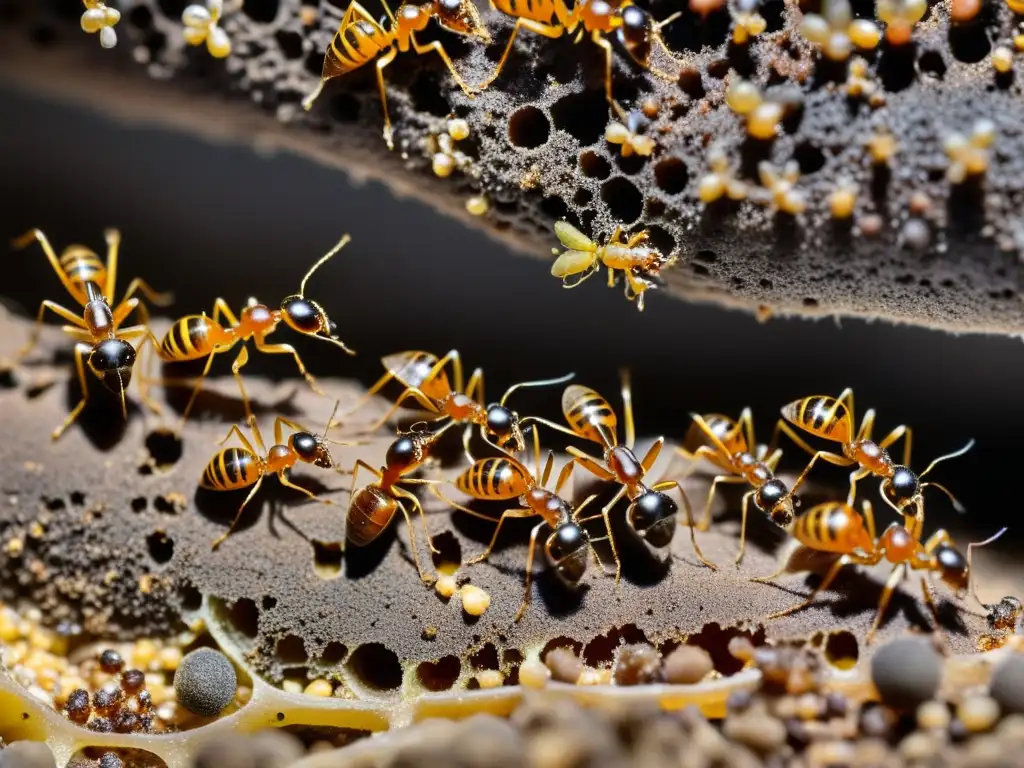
(652, 454)
(238, 516)
(589, 463)
(869, 517)
(360, 464)
(705, 521)
(80, 349)
(236, 430)
(57, 309)
(382, 62)
(829, 578)
(283, 479)
(113, 238)
(846, 398)
(516, 512)
(867, 425)
(627, 409)
(611, 277)
(280, 422)
(156, 298)
(702, 452)
(412, 531)
(855, 477)
(828, 456)
(745, 507)
(537, 27)
(783, 426)
(883, 603)
(195, 390)
(438, 47)
(603, 43)
(377, 387)
(668, 485)
(901, 431)
(143, 331)
(529, 571)
(475, 387)
(746, 423)
(411, 392)
(564, 475)
(419, 507)
(938, 538)
(287, 349)
(929, 600)
(37, 234)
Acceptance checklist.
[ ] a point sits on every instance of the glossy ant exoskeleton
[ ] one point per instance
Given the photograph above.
(196, 336)
(360, 39)
(833, 419)
(425, 380)
(101, 343)
(727, 444)
(234, 468)
(503, 478)
(836, 527)
(652, 513)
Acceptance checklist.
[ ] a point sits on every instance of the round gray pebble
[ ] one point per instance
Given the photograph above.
(27, 754)
(205, 682)
(1007, 686)
(906, 672)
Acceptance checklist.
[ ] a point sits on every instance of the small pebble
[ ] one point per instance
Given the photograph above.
(205, 683)
(978, 713)
(877, 722)
(107, 699)
(836, 705)
(101, 725)
(78, 707)
(475, 601)
(565, 665)
(125, 721)
(933, 716)
(133, 681)
(110, 760)
(276, 748)
(916, 234)
(919, 746)
(870, 224)
(478, 205)
(687, 664)
(740, 700)
(762, 733)
(534, 674)
(27, 754)
(906, 672)
(741, 648)
(111, 662)
(1007, 686)
(637, 664)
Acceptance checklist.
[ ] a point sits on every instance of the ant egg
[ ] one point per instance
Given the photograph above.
(534, 674)
(443, 165)
(1002, 59)
(445, 585)
(478, 205)
(843, 200)
(458, 129)
(490, 678)
(475, 601)
(882, 147)
(319, 687)
(763, 122)
(743, 97)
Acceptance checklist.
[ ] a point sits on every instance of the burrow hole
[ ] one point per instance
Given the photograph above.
(334, 653)
(164, 448)
(160, 546)
(594, 165)
(439, 675)
(262, 11)
(624, 201)
(327, 558)
(528, 128)
(244, 617)
(376, 667)
(809, 157)
(290, 650)
(671, 175)
(583, 116)
(448, 555)
(842, 650)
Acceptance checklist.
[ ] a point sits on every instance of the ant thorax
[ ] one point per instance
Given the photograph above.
(624, 464)
(870, 455)
(257, 319)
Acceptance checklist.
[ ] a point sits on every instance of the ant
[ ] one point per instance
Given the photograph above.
(196, 336)
(838, 528)
(503, 478)
(373, 506)
(1002, 619)
(101, 343)
(727, 445)
(651, 512)
(234, 468)
(360, 39)
(552, 18)
(640, 264)
(833, 419)
(425, 380)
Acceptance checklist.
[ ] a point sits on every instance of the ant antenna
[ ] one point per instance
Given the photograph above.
(537, 383)
(960, 508)
(326, 257)
(970, 568)
(955, 454)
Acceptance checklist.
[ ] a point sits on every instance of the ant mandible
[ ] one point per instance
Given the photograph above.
(503, 478)
(598, 18)
(234, 468)
(425, 380)
(727, 444)
(373, 506)
(101, 343)
(360, 39)
(833, 419)
(197, 336)
(651, 512)
(640, 264)
(836, 527)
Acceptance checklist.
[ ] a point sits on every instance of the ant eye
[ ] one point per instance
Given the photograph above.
(112, 362)
(301, 314)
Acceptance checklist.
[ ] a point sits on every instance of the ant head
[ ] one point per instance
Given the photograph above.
(898, 543)
(903, 486)
(111, 361)
(404, 452)
(566, 550)
(503, 425)
(1005, 614)
(305, 316)
(461, 16)
(311, 449)
(636, 30)
(953, 567)
(774, 499)
(653, 517)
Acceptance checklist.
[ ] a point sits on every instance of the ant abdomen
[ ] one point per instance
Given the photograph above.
(368, 514)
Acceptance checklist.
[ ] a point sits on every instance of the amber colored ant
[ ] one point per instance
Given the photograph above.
(838, 528)
(833, 419)
(196, 336)
(101, 343)
(360, 39)
(373, 506)
(651, 512)
(727, 444)
(425, 380)
(598, 18)
(234, 468)
(640, 264)
(503, 478)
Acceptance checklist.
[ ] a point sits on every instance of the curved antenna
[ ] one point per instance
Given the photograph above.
(960, 508)
(970, 567)
(955, 454)
(326, 257)
(537, 383)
